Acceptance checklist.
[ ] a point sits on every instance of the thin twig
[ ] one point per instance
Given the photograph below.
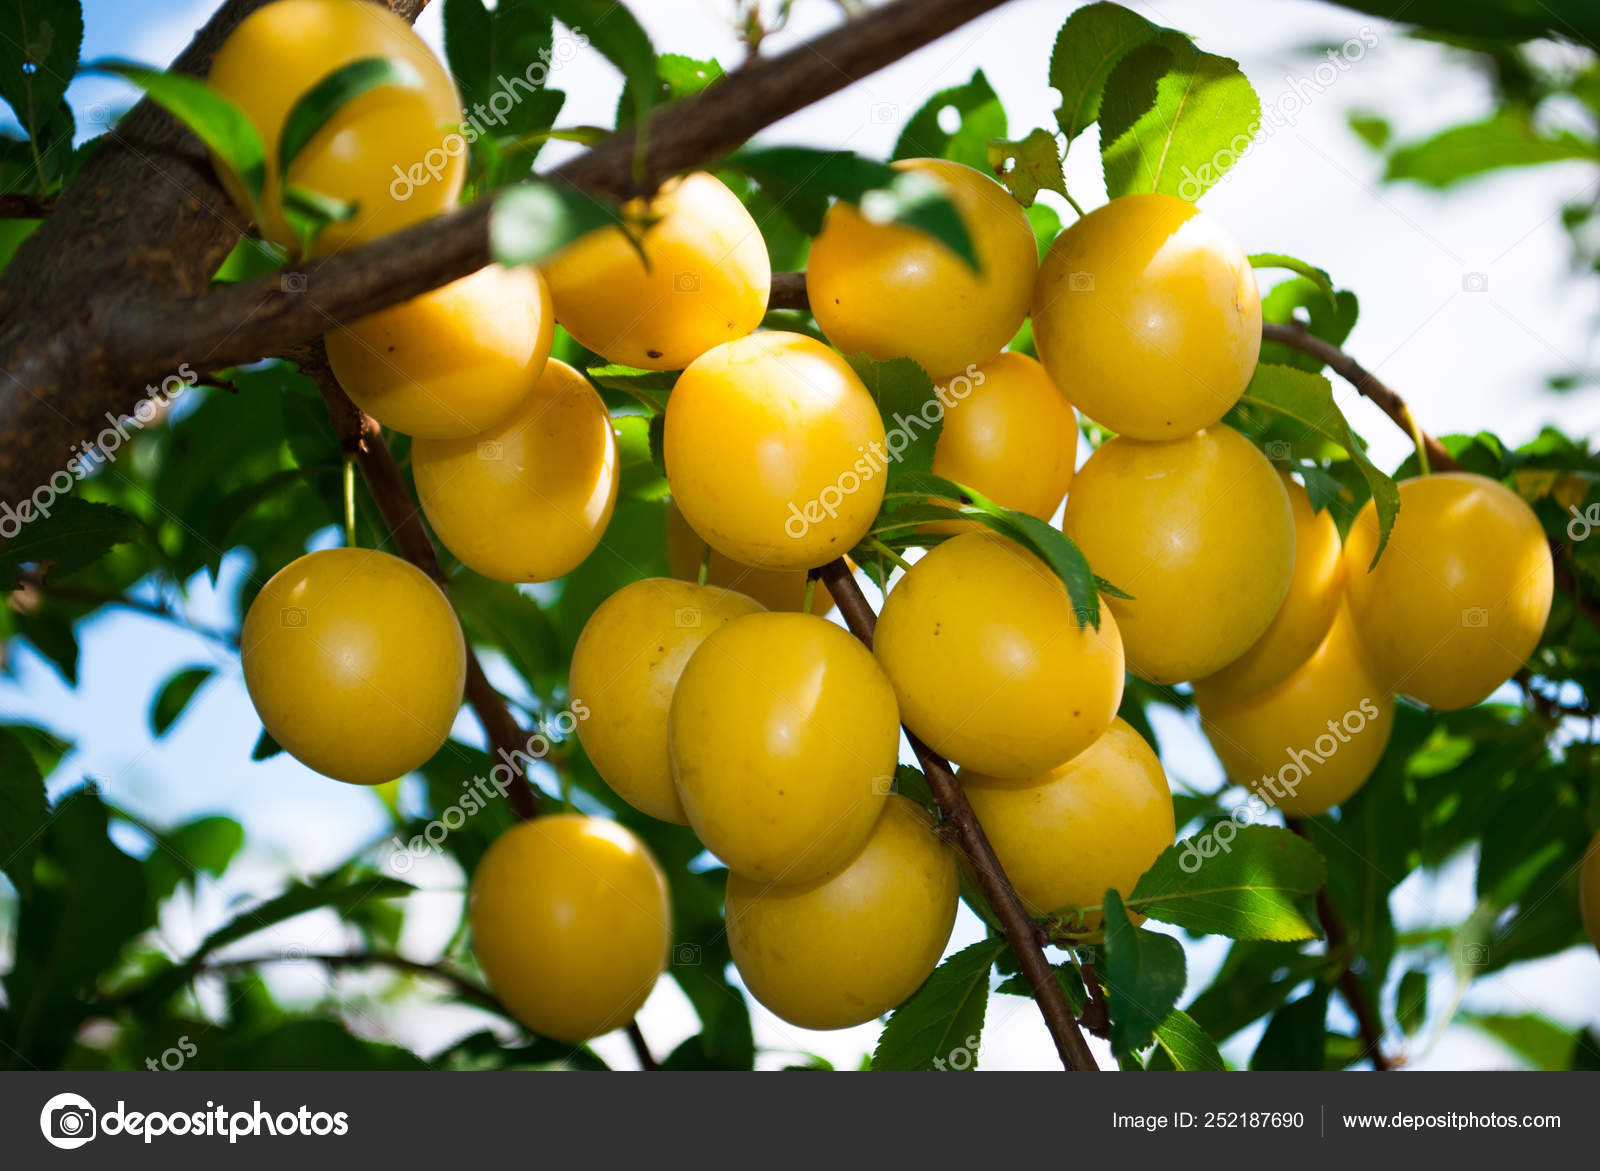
(1020, 931)
(464, 988)
(641, 1049)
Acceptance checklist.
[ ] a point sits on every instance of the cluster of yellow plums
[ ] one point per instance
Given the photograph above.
(713, 698)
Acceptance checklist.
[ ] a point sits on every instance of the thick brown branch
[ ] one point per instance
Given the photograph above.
(1020, 931)
(1355, 996)
(111, 294)
(361, 437)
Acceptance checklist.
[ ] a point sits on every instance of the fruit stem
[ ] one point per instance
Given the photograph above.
(1419, 439)
(1073, 202)
(705, 565)
(811, 594)
(1021, 932)
(350, 501)
(884, 551)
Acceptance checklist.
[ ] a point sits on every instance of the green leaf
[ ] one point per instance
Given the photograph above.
(1144, 975)
(1187, 1046)
(314, 108)
(1260, 884)
(214, 119)
(1464, 152)
(533, 220)
(902, 390)
(486, 49)
(175, 695)
(617, 35)
(940, 1026)
(650, 387)
(1537, 1040)
(1067, 976)
(1174, 120)
(677, 77)
(45, 746)
(805, 180)
(1296, 1035)
(1255, 978)
(1411, 1001)
(981, 119)
(24, 811)
(1576, 20)
(911, 782)
(1307, 399)
(309, 212)
(73, 533)
(1028, 166)
(1311, 272)
(207, 845)
(39, 43)
(1284, 302)
(266, 747)
(1088, 47)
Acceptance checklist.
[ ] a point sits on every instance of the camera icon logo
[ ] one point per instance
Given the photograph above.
(685, 282)
(1475, 954)
(491, 449)
(686, 953)
(68, 1121)
(293, 282)
(1080, 282)
(1475, 617)
(882, 785)
(884, 113)
(1278, 449)
(687, 617)
(1475, 282)
(292, 616)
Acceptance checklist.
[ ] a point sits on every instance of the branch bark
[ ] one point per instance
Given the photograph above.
(112, 292)
(1020, 931)
(362, 438)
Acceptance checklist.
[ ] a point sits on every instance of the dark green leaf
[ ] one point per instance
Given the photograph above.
(1464, 152)
(24, 811)
(39, 43)
(1067, 976)
(1307, 399)
(1311, 272)
(71, 534)
(1259, 884)
(981, 119)
(1143, 974)
(313, 109)
(942, 1023)
(1186, 1045)
(1296, 1034)
(175, 695)
(617, 35)
(266, 747)
(903, 391)
(1088, 47)
(1174, 120)
(1411, 1001)
(207, 845)
(493, 53)
(677, 77)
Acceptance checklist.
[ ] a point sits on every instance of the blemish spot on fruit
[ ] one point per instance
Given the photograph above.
(653, 353)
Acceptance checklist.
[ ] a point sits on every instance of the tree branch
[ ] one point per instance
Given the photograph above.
(1371, 1028)
(463, 988)
(361, 437)
(1020, 930)
(112, 292)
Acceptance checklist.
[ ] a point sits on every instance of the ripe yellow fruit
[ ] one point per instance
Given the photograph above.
(453, 362)
(1308, 743)
(776, 589)
(625, 668)
(1315, 593)
(1200, 532)
(848, 947)
(393, 151)
(530, 498)
(707, 281)
(1147, 312)
(355, 663)
(989, 662)
(1013, 437)
(1589, 891)
(1459, 601)
(774, 451)
(571, 921)
(1093, 824)
(895, 292)
(784, 738)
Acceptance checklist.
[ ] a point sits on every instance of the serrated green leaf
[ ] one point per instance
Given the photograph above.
(1028, 166)
(910, 782)
(213, 119)
(1174, 120)
(533, 220)
(981, 118)
(24, 811)
(650, 387)
(1087, 49)
(175, 695)
(1144, 974)
(1187, 1046)
(1464, 152)
(940, 1026)
(806, 180)
(1307, 399)
(1311, 272)
(1260, 884)
(75, 533)
(902, 390)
